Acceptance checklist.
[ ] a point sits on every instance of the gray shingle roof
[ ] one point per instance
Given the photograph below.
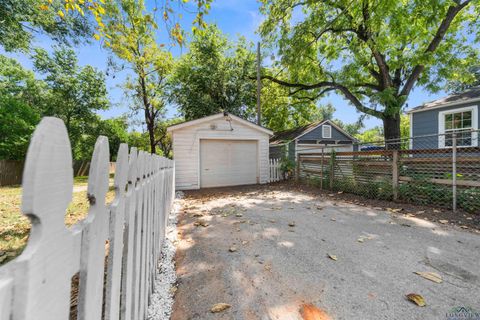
(455, 98)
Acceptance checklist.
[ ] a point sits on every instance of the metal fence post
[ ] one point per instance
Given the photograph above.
(454, 171)
(395, 174)
(297, 176)
(332, 169)
(321, 170)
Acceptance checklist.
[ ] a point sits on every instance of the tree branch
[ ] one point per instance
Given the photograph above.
(333, 86)
(433, 45)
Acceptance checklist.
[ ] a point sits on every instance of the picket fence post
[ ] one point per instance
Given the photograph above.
(114, 250)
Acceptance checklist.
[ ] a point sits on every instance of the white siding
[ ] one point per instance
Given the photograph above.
(186, 148)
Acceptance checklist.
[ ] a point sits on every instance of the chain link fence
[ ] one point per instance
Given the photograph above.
(436, 170)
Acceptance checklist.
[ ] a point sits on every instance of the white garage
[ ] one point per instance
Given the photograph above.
(219, 150)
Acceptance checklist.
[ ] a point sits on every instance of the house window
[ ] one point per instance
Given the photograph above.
(461, 122)
(326, 131)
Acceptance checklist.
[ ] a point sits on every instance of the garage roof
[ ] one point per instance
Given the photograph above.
(218, 116)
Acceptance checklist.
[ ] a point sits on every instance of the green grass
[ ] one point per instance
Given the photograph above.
(15, 227)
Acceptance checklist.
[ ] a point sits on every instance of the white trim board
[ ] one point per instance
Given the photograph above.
(451, 104)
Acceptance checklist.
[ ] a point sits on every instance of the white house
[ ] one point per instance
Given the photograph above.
(219, 150)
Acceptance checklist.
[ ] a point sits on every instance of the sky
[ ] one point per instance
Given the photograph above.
(235, 18)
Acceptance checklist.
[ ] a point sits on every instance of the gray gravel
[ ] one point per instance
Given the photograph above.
(278, 267)
(161, 301)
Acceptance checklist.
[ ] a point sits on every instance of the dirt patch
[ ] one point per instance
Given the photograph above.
(267, 251)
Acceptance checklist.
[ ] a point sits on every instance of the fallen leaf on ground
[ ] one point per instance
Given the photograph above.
(201, 223)
(464, 227)
(417, 299)
(272, 221)
(219, 307)
(232, 249)
(360, 239)
(333, 219)
(443, 221)
(340, 192)
(332, 256)
(310, 312)
(244, 242)
(436, 211)
(432, 276)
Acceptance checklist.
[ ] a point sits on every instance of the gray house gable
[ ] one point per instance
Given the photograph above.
(427, 122)
(285, 143)
(316, 135)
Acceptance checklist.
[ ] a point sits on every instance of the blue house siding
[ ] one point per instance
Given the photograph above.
(426, 123)
(316, 134)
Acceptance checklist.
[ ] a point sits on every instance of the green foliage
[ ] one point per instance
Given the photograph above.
(373, 52)
(74, 93)
(287, 166)
(115, 129)
(17, 122)
(426, 193)
(21, 19)
(214, 76)
(21, 99)
(281, 111)
(375, 134)
(473, 80)
(469, 200)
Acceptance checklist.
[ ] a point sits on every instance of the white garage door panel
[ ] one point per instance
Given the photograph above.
(228, 162)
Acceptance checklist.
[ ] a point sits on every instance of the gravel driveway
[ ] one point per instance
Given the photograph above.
(281, 241)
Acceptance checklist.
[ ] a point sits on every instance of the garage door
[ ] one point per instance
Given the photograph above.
(227, 162)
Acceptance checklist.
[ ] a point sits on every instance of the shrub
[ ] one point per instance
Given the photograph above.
(469, 200)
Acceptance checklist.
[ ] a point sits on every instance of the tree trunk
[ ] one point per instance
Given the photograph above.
(391, 131)
(151, 132)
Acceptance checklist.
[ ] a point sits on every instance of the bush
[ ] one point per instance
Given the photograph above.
(469, 200)
(287, 167)
(426, 193)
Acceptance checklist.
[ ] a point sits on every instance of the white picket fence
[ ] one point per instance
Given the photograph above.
(37, 284)
(275, 172)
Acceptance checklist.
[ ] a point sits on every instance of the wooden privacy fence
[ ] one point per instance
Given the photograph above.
(275, 171)
(440, 177)
(11, 170)
(114, 280)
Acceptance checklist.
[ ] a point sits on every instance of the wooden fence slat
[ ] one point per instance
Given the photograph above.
(44, 270)
(115, 252)
(94, 235)
(129, 239)
(6, 286)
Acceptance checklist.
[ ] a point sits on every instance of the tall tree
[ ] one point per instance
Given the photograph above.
(373, 52)
(75, 93)
(131, 33)
(214, 76)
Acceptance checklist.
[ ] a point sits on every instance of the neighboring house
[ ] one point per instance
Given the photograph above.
(432, 124)
(312, 138)
(219, 150)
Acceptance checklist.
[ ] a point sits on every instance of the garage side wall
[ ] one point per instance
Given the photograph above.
(186, 149)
